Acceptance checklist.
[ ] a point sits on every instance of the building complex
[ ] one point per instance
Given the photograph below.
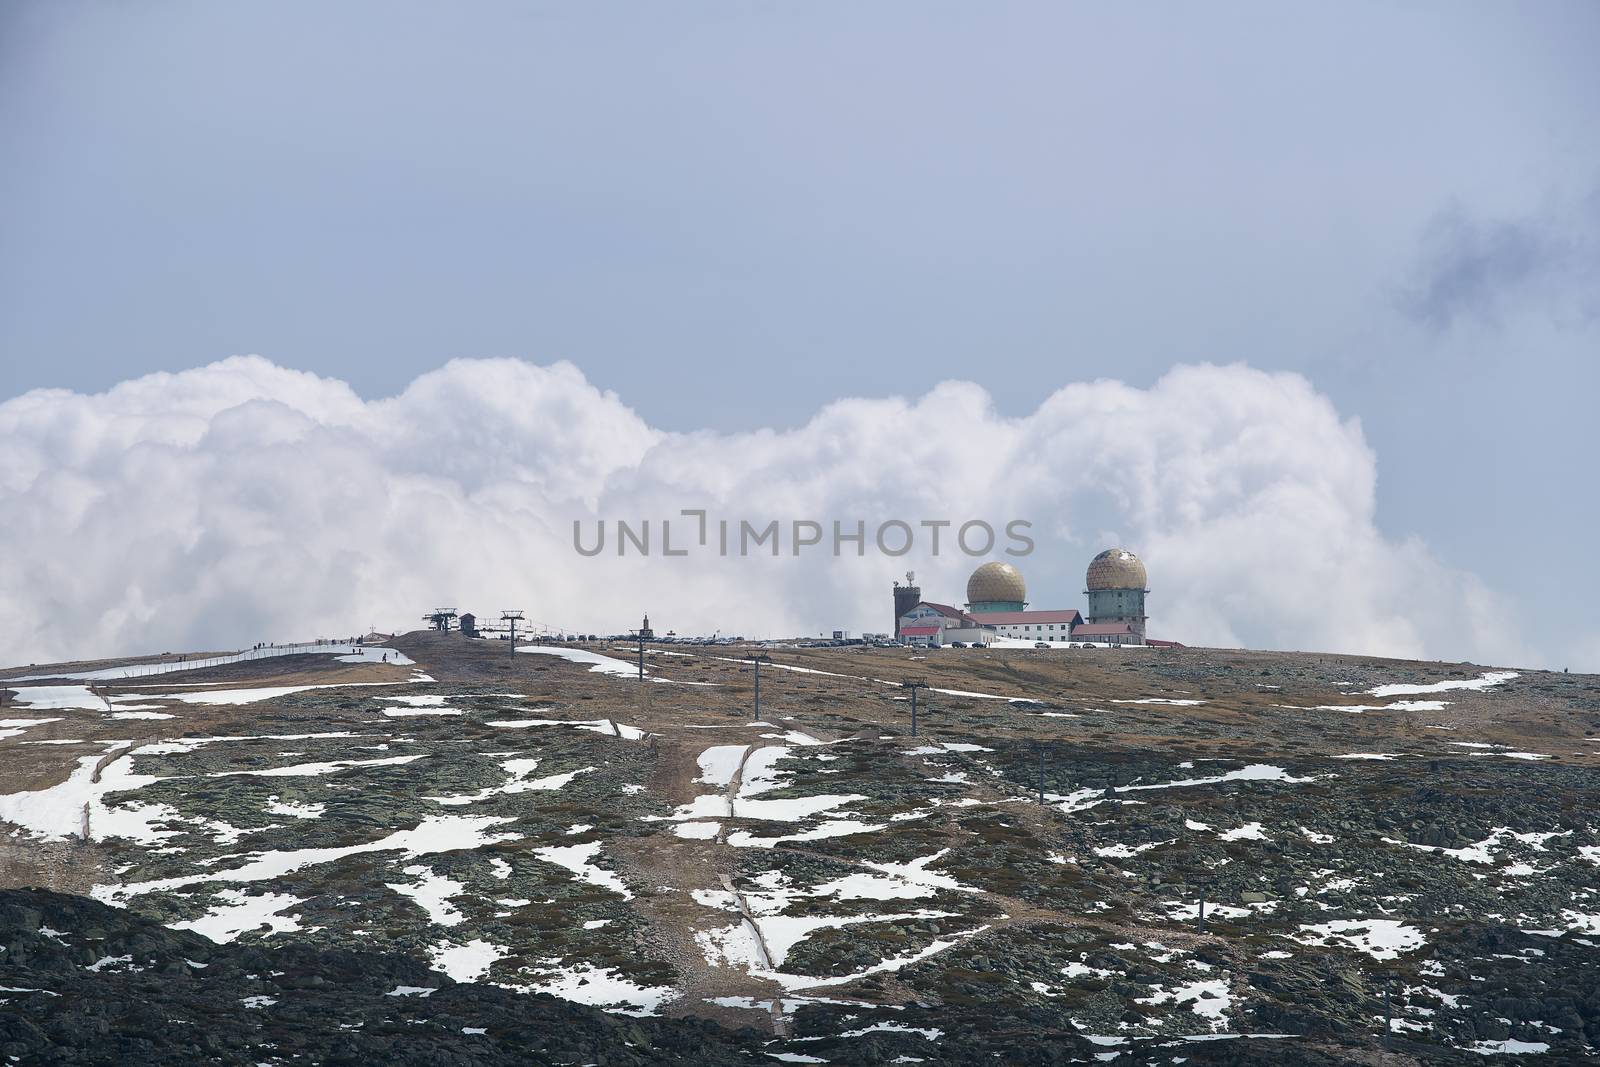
(997, 609)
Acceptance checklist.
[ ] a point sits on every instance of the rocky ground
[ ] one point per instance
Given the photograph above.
(465, 855)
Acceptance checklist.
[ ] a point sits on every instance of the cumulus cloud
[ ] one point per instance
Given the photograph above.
(242, 501)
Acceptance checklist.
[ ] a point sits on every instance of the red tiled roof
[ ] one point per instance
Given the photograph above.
(1070, 616)
(948, 612)
(1164, 644)
(1101, 629)
(918, 631)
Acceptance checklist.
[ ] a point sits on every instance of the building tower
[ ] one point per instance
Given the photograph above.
(1116, 592)
(996, 587)
(906, 597)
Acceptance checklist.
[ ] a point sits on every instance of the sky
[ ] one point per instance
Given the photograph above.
(738, 226)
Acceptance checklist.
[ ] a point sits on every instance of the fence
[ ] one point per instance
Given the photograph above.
(143, 670)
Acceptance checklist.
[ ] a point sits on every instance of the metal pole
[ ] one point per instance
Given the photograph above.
(641, 657)
(913, 686)
(1201, 924)
(758, 690)
(1041, 774)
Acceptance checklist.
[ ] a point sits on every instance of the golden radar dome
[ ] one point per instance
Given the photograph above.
(1116, 568)
(996, 583)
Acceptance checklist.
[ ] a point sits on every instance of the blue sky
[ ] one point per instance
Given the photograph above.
(734, 214)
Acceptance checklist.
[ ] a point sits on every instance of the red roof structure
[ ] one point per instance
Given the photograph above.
(1102, 629)
(918, 631)
(950, 613)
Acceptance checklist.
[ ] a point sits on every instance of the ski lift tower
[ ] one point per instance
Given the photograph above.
(441, 619)
(758, 659)
(643, 634)
(511, 618)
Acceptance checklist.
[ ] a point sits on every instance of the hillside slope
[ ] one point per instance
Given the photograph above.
(1025, 876)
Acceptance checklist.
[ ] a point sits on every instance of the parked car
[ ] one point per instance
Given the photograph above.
(958, 644)
(1041, 644)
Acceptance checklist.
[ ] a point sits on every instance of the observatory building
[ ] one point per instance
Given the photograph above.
(996, 587)
(997, 608)
(1116, 591)
(997, 597)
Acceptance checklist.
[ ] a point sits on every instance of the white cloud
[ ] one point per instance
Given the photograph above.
(242, 502)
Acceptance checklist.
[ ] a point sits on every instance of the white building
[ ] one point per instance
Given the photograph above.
(1032, 625)
(937, 625)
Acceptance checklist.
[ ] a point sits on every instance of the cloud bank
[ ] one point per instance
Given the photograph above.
(242, 501)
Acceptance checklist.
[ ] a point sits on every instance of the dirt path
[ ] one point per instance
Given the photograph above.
(682, 867)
